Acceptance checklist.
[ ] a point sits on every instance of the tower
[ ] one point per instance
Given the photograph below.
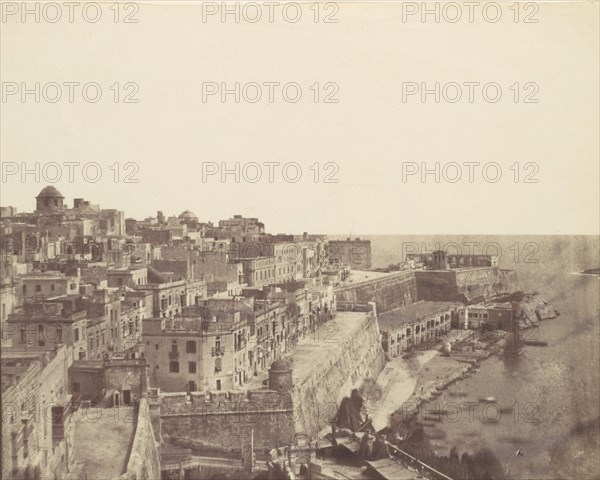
(280, 376)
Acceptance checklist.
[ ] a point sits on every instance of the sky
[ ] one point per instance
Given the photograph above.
(375, 141)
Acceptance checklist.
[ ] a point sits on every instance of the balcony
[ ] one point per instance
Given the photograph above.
(215, 352)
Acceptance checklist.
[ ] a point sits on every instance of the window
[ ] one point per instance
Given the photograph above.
(192, 386)
(38, 288)
(218, 364)
(174, 367)
(24, 288)
(76, 334)
(75, 387)
(58, 427)
(174, 347)
(190, 346)
(191, 367)
(59, 335)
(52, 287)
(218, 384)
(156, 346)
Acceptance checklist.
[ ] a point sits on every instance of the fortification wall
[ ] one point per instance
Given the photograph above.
(437, 286)
(348, 364)
(144, 460)
(225, 420)
(464, 285)
(392, 291)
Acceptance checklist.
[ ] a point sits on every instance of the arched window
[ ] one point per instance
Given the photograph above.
(218, 364)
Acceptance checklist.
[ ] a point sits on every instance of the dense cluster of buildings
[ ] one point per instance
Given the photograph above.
(182, 304)
(96, 309)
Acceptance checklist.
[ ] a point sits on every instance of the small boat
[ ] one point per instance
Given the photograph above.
(488, 399)
(432, 418)
(426, 424)
(535, 343)
(458, 394)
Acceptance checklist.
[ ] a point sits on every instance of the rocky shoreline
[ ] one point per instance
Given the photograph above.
(465, 357)
(533, 309)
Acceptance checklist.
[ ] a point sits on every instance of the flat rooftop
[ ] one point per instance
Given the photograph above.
(412, 313)
(318, 347)
(359, 276)
(103, 441)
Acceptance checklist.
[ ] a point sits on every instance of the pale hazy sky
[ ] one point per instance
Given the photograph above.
(369, 133)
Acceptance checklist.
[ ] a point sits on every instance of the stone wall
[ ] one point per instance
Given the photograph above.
(437, 286)
(464, 285)
(125, 375)
(225, 420)
(348, 364)
(391, 291)
(144, 460)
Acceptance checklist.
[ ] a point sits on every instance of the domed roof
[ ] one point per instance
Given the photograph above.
(50, 191)
(187, 215)
(281, 365)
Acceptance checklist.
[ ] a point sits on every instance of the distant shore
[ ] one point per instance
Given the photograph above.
(591, 271)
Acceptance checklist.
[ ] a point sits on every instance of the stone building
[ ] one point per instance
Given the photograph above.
(442, 260)
(127, 277)
(169, 294)
(259, 271)
(354, 253)
(115, 381)
(48, 324)
(135, 307)
(37, 433)
(37, 286)
(192, 354)
(421, 322)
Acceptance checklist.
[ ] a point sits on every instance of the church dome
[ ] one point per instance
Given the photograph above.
(187, 215)
(50, 192)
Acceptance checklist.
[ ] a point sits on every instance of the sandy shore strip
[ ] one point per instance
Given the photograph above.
(394, 386)
(405, 383)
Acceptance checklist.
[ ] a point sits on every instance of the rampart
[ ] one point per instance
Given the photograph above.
(144, 461)
(464, 285)
(346, 365)
(225, 421)
(390, 291)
